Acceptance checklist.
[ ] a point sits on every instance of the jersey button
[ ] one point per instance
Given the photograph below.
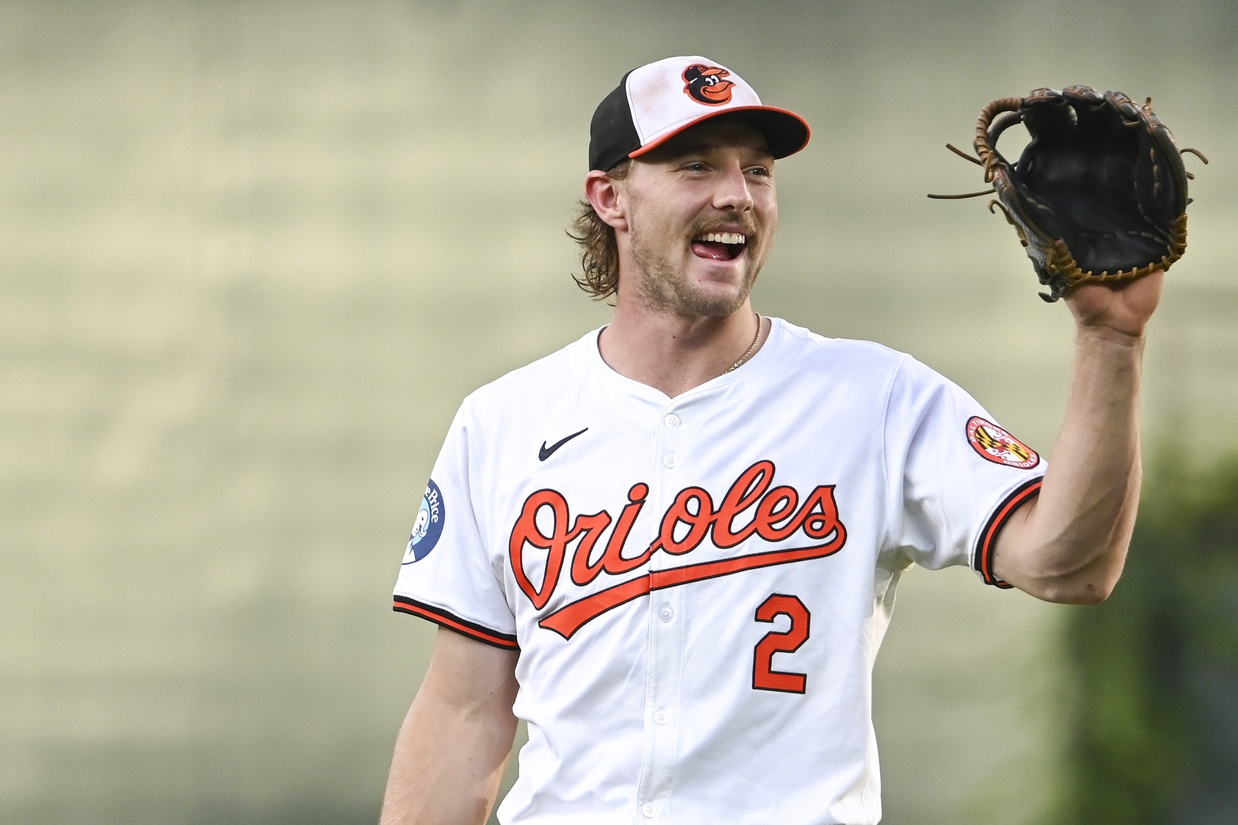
(661, 717)
(649, 810)
(671, 461)
(666, 613)
(672, 421)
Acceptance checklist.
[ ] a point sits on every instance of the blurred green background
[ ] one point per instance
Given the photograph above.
(252, 254)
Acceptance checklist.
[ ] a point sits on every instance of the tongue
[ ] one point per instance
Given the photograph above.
(711, 250)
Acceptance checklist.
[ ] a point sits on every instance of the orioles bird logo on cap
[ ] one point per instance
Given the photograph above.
(707, 84)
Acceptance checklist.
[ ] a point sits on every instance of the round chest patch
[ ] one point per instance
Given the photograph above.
(428, 526)
(1000, 447)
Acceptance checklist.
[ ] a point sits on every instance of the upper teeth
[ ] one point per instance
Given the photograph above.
(723, 237)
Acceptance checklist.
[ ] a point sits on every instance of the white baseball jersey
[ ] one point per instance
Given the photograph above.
(698, 585)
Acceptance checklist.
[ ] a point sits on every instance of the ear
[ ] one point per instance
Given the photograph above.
(606, 196)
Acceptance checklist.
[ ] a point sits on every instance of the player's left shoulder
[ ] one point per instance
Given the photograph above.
(813, 352)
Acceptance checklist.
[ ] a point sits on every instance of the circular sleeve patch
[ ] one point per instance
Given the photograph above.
(996, 445)
(428, 526)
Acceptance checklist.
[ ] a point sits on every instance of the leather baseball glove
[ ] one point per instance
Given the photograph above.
(1099, 193)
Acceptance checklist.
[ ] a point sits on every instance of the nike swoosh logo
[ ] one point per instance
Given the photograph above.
(546, 452)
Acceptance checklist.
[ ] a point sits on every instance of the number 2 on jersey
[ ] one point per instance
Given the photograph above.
(764, 677)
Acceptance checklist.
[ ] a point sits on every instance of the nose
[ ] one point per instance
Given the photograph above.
(733, 192)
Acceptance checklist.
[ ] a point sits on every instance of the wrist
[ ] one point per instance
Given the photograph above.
(1102, 334)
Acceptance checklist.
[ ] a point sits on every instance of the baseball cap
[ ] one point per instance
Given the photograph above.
(659, 100)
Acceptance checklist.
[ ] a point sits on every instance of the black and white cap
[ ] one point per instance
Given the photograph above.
(658, 101)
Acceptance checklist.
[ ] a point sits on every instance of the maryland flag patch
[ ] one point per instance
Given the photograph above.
(996, 445)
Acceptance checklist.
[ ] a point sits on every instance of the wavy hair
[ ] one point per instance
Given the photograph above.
(599, 252)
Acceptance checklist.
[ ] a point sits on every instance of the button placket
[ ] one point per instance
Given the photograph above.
(671, 441)
(666, 630)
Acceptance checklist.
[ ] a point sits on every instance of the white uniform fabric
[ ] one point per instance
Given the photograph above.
(698, 586)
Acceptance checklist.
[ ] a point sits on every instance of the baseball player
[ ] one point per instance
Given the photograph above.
(672, 547)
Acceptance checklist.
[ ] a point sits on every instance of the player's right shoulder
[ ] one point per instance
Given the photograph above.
(532, 383)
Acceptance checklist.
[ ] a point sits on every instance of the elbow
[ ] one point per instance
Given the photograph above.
(1084, 587)
(1084, 594)
(1065, 573)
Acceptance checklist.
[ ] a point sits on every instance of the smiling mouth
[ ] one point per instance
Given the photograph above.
(719, 246)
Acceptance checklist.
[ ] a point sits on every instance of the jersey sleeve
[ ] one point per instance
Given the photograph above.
(448, 574)
(957, 476)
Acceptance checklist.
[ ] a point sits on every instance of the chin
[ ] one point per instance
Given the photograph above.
(712, 304)
(697, 287)
(722, 298)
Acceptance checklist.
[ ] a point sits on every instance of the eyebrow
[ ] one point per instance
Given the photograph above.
(672, 150)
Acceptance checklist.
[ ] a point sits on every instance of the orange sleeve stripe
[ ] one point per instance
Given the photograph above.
(988, 537)
(440, 617)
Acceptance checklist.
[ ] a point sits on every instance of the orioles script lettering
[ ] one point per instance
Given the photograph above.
(752, 507)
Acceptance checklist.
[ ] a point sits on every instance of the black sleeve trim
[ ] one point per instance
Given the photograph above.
(507, 641)
(985, 544)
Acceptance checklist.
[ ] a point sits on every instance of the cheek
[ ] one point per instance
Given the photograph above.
(768, 218)
(653, 225)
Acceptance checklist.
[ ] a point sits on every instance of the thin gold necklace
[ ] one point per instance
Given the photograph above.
(756, 342)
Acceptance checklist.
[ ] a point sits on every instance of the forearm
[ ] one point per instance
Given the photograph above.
(1069, 545)
(452, 747)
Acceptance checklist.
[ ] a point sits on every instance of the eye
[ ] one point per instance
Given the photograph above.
(761, 171)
